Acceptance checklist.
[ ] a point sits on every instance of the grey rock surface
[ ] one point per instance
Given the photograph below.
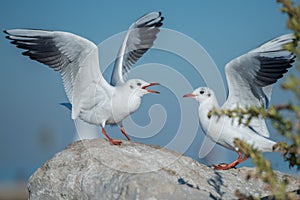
(94, 169)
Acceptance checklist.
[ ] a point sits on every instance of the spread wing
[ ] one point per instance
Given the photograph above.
(74, 57)
(250, 77)
(139, 38)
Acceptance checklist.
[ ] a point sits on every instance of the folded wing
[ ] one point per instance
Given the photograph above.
(250, 77)
(139, 38)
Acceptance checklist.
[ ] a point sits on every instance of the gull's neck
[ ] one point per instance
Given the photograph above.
(204, 108)
(208, 104)
(126, 99)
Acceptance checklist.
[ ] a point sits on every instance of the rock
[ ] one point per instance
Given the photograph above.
(94, 169)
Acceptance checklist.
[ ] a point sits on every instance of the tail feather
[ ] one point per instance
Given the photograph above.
(67, 105)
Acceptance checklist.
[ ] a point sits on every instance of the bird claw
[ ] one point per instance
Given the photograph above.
(223, 166)
(115, 142)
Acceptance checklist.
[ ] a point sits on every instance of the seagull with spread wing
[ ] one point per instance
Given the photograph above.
(250, 78)
(94, 100)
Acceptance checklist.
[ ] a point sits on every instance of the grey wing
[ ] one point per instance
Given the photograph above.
(250, 77)
(139, 38)
(74, 57)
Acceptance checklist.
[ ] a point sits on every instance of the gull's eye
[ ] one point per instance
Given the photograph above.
(201, 92)
(138, 84)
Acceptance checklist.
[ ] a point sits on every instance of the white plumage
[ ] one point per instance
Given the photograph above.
(93, 99)
(250, 78)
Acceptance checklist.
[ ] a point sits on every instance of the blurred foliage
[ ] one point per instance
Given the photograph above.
(284, 117)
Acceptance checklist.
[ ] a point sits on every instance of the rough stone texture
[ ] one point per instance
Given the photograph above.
(94, 169)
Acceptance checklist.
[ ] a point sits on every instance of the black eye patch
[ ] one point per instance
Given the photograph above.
(138, 84)
(201, 92)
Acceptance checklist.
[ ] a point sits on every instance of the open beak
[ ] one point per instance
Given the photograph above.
(152, 91)
(190, 95)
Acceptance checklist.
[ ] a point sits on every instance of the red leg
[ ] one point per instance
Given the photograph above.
(112, 141)
(231, 165)
(124, 133)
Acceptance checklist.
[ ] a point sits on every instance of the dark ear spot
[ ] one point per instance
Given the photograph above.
(208, 94)
(131, 87)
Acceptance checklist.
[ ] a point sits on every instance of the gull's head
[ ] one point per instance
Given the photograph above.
(140, 87)
(201, 94)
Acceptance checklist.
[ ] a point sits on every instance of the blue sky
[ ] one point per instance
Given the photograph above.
(33, 125)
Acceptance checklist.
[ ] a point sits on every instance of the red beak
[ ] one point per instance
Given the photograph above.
(189, 95)
(152, 91)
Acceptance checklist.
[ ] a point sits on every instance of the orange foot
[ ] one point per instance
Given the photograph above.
(111, 141)
(224, 166)
(115, 142)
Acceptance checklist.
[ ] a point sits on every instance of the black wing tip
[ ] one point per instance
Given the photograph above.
(160, 17)
(8, 37)
(6, 32)
(154, 20)
(26, 53)
(154, 24)
(159, 24)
